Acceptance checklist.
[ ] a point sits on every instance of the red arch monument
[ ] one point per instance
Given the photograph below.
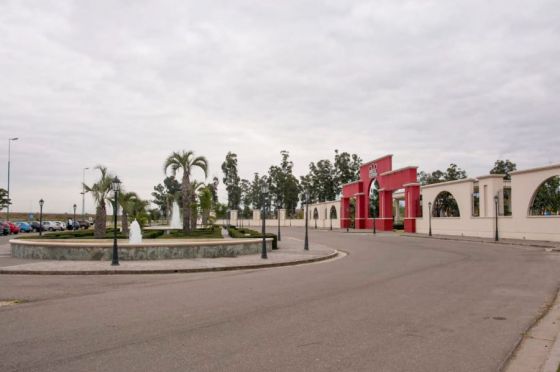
(389, 180)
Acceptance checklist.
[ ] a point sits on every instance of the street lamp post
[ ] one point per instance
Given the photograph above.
(116, 187)
(9, 158)
(41, 203)
(84, 193)
(74, 220)
(278, 213)
(306, 243)
(496, 202)
(430, 218)
(264, 191)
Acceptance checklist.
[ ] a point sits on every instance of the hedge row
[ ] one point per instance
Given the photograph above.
(240, 233)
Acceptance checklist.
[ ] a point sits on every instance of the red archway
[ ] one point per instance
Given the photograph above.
(389, 180)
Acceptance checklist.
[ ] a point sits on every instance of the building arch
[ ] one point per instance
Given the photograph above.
(445, 205)
(315, 214)
(546, 198)
(333, 215)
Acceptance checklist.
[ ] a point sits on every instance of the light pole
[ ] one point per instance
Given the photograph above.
(264, 191)
(116, 187)
(41, 203)
(84, 193)
(430, 218)
(306, 243)
(9, 158)
(74, 220)
(496, 201)
(278, 213)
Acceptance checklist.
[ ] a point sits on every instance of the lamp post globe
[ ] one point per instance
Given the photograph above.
(41, 203)
(264, 192)
(116, 184)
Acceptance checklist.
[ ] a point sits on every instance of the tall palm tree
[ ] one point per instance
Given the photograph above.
(185, 161)
(100, 191)
(127, 202)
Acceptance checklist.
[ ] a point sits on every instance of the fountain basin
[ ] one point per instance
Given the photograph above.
(149, 249)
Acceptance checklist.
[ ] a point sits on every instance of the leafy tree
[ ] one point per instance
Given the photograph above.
(100, 191)
(347, 169)
(138, 211)
(4, 201)
(246, 198)
(374, 200)
(547, 197)
(452, 173)
(206, 202)
(231, 180)
(164, 195)
(284, 186)
(186, 161)
(504, 167)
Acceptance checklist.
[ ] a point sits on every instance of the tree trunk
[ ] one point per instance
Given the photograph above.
(100, 221)
(185, 189)
(124, 222)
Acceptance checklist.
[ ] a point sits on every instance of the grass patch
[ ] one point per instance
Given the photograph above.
(243, 233)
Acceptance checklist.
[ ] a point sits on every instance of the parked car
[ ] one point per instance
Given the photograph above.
(84, 224)
(50, 226)
(13, 228)
(4, 228)
(61, 225)
(24, 226)
(35, 225)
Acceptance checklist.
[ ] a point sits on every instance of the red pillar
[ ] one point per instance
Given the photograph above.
(344, 216)
(361, 211)
(385, 218)
(411, 205)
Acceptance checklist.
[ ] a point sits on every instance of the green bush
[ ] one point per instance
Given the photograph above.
(213, 232)
(241, 233)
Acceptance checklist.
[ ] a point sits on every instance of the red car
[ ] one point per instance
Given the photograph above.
(13, 228)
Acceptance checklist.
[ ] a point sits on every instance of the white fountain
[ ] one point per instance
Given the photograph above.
(176, 222)
(135, 233)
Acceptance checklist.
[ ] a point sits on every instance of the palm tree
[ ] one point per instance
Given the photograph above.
(127, 202)
(100, 191)
(185, 161)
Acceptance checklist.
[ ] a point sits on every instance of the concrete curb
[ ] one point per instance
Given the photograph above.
(526, 243)
(171, 271)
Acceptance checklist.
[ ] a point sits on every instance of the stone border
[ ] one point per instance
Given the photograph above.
(332, 255)
(149, 250)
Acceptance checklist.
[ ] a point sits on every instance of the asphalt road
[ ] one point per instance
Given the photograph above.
(393, 304)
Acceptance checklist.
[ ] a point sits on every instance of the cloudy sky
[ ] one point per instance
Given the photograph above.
(124, 83)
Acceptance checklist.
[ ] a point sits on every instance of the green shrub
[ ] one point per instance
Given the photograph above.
(241, 233)
(213, 232)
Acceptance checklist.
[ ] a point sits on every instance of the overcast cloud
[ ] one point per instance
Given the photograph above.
(124, 83)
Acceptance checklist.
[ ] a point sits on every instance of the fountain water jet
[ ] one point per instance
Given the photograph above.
(176, 222)
(135, 233)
